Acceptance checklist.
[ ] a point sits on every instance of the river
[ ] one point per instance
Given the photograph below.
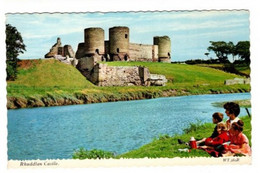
(55, 132)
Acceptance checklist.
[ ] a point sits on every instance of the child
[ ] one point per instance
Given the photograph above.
(238, 141)
(213, 145)
(232, 111)
(221, 138)
(217, 117)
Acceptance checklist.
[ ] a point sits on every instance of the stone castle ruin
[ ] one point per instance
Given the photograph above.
(95, 49)
(119, 48)
(64, 54)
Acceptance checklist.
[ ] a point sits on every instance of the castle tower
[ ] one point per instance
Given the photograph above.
(94, 41)
(119, 43)
(164, 48)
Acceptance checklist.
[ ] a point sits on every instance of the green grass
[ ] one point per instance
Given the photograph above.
(51, 77)
(92, 154)
(242, 103)
(242, 68)
(167, 147)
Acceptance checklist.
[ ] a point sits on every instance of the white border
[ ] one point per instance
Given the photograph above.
(13, 6)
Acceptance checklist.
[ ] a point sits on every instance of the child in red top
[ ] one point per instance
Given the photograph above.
(212, 144)
(221, 138)
(238, 141)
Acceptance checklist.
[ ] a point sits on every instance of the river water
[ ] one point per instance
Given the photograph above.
(55, 132)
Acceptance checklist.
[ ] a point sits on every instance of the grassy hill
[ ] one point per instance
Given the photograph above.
(47, 75)
(49, 82)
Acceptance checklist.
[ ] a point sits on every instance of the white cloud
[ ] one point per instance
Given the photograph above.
(190, 25)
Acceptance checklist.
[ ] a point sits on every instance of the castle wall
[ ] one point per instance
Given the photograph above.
(120, 75)
(60, 51)
(80, 51)
(54, 49)
(143, 52)
(119, 40)
(68, 51)
(94, 41)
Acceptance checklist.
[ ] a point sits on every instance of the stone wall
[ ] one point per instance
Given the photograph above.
(80, 51)
(54, 49)
(58, 49)
(143, 52)
(237, 81)
(105, 75)
(68, 51)
(157, 80)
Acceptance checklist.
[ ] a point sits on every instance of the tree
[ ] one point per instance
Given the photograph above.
(242, 50)
(231, 49)
(221, 50)
(207, 54)
(14, 46)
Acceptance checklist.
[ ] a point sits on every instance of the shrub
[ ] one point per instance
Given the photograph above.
(82, 153)
(193, 127)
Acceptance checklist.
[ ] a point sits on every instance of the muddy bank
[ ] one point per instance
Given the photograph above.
(49, 100)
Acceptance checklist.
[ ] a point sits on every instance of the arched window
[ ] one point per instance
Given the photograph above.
(97, 51)
(117, 50)
(126, 35)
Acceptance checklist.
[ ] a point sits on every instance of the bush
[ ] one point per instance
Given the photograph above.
(82, 153)
(193, 127)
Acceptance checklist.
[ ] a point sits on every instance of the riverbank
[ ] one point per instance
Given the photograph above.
(43, 83)
(166, 146)
(81, 98)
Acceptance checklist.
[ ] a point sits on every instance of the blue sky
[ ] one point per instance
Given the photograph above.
(190, 31)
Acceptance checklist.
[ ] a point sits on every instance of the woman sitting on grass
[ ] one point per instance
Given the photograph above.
(232, 110)
(238, 141)
(213, 145)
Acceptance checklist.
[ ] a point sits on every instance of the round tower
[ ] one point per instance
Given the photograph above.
(164, 48)
(94, 41)
(119, 42)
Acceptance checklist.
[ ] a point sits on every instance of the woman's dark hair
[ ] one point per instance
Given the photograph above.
(232, 107)
(238, 125)
(218, 116)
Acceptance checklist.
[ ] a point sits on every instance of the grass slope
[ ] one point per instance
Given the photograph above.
(43, 76)
(40, 78)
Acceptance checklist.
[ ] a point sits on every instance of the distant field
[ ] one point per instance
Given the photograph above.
(51, 78)
(241, 68)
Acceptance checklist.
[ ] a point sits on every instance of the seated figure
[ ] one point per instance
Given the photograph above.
(239, 143)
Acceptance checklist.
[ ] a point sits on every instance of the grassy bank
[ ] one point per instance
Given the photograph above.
(166, 146)
(49, 82)
(242, 69)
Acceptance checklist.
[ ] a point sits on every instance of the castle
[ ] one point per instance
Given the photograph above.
(95, 49)
(119, 48)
